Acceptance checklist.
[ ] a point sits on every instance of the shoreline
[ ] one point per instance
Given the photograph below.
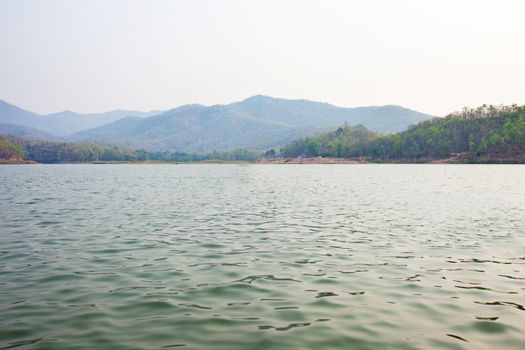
(284, 161)
(327, 160)
(14, 162)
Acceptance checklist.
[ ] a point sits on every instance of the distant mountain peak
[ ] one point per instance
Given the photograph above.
(62, 123)
(257, 122)
(259, 97)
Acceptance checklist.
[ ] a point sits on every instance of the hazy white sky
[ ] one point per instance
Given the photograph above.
(97, 55)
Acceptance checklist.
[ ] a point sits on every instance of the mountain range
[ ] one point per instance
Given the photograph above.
(258, 122)
(27, 132)
(62, 123)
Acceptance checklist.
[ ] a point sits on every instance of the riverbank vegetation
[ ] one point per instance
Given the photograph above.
(67, 152)
(11, 151)
(486, 134)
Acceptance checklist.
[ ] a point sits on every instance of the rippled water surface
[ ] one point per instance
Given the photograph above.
(262, 257)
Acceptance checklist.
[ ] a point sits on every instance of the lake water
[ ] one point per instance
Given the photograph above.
(262, 257)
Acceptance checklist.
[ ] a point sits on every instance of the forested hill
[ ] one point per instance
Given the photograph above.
(258, 122)
(337, 143)
(484, 134)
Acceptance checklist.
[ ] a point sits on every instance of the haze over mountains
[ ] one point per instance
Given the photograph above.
(62, 123)
(258, 122)
(27, 132)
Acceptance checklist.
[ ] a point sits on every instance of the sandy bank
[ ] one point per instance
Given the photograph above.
(310, 161)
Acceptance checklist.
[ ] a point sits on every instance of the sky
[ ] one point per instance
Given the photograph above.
(433, 56)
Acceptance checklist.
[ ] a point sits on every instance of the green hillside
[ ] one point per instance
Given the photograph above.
(258, 122)
(484, 134)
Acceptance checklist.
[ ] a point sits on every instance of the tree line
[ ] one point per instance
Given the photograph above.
(11, 150)
(486, 133)
(483, 134)
(12, 147)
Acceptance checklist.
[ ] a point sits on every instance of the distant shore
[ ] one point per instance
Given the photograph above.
(331, 160)
(147, 162)
(316, 160)
(310, 160)
(16, 161)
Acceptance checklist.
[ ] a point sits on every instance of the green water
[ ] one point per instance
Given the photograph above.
(262, 257)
